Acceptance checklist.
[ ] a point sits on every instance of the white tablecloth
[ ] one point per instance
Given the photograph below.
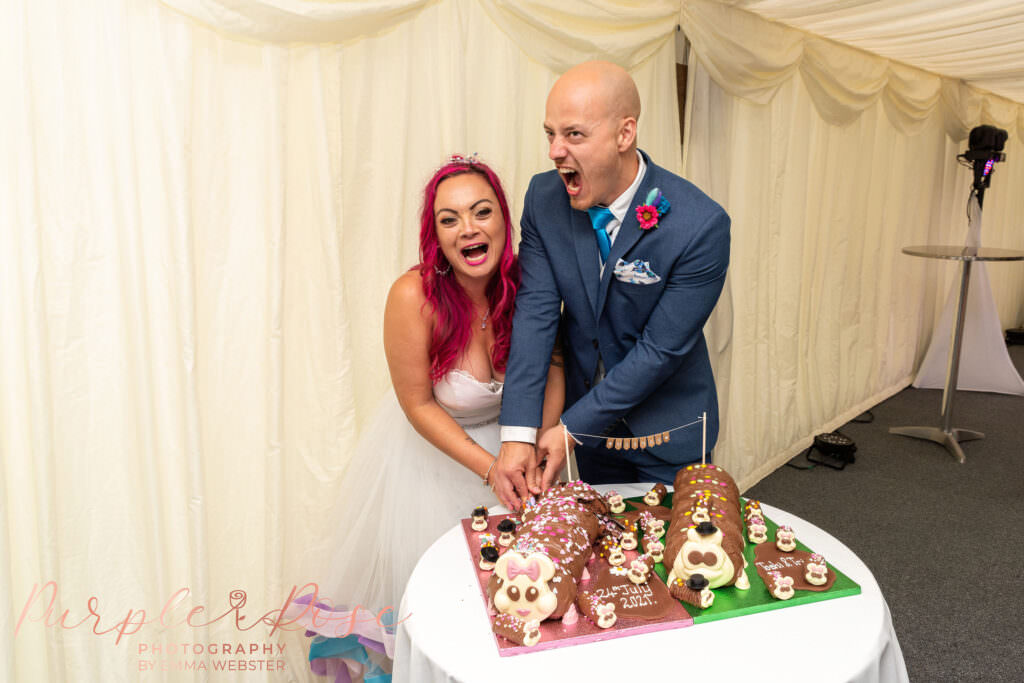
(447, 635)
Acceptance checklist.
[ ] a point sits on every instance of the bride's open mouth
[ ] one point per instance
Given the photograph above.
(571, 178)
(475, 254)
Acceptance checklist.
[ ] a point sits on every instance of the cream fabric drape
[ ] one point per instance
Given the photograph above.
(556, 34)
(751, 57)
(197, 235)
(978, 42)
(830, 160)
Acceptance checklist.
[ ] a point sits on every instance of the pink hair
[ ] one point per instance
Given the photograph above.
(447, 299)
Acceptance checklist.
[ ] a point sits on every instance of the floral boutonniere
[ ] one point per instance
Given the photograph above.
(652, 209)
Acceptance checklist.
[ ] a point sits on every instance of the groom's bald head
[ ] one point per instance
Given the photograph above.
(590, 120)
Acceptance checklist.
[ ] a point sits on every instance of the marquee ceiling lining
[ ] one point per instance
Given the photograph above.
(981, 42)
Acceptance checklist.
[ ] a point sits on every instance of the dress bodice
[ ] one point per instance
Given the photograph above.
(467, 399)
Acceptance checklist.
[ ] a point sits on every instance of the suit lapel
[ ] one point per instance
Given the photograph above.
(629, 234)
(585, 246)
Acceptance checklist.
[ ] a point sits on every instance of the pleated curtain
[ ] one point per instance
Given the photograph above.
(204, 203)
(199, 223)
(830, 160)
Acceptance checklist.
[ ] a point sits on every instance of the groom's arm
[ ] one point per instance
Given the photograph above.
(534, 327)
(670, 334)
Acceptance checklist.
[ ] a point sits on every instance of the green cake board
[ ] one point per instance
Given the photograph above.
(732, 602)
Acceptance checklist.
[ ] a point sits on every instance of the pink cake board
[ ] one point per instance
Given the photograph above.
(554, 633)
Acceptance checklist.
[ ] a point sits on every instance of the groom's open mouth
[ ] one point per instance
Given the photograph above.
(475, 254)
(571, 178)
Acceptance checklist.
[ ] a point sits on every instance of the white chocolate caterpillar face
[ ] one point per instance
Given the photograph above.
(816, 574)
(785, 539)
(783, 588)
(638, 572)
(606, 616)
(704, 555)
(757, 531)
(700, 514)
(524, 591)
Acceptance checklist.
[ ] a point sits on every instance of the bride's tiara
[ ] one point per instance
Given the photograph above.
(473, 158)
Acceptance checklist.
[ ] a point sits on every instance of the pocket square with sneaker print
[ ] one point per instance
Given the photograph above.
(636, 272)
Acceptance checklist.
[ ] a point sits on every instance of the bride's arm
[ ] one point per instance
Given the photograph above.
(407, 330)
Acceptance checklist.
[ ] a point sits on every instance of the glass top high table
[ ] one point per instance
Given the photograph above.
(946, 435)
(447, 634)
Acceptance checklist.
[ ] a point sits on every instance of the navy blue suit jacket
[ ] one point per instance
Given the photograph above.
(649, 336)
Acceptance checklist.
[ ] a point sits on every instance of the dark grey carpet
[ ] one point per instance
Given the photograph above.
(943, 539)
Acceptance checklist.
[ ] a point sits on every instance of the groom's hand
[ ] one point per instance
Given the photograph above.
(551, 447)
(508, 478)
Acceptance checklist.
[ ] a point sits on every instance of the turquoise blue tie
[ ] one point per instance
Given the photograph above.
(600, 217)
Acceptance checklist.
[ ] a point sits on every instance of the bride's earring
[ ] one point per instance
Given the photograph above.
(444, 272)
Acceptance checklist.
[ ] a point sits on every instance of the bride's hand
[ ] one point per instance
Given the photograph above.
(508, 476)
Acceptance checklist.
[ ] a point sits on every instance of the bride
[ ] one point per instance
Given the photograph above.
(425, 460)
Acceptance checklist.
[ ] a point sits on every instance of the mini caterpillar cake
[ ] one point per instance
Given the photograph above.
(705, 536)
(538, 577)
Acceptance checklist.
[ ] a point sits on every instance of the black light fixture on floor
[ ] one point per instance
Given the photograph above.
(834, 449)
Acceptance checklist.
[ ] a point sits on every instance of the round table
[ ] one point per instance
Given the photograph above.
(946, 435)
(447, 635)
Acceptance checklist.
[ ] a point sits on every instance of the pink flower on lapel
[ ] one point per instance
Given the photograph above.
(647, 215)
(654, 208)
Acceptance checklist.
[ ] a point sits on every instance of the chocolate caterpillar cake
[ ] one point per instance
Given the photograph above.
(538, 577)
(704, 543)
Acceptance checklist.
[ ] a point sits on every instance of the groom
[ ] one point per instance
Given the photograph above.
(637, 257)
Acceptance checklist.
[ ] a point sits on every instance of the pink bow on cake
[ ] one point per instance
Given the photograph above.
(530, 569)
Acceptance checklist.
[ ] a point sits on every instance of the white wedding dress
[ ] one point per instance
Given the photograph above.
(397, 497)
